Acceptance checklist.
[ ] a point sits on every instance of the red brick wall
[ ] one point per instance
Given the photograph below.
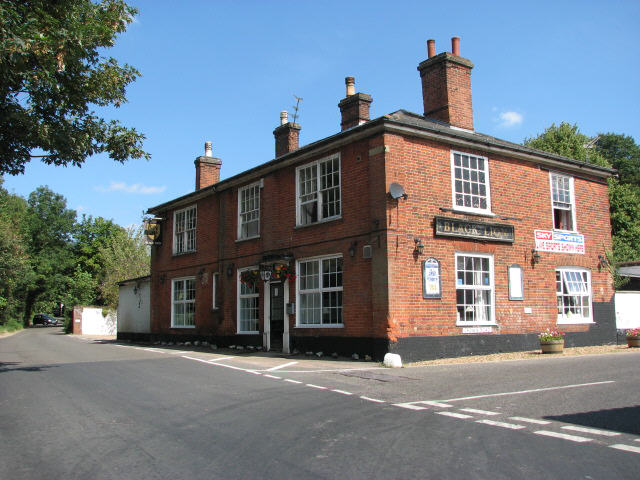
(518, 189)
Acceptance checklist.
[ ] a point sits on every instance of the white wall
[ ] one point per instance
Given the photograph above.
(95, 323)
(627, 310)
(134, 314)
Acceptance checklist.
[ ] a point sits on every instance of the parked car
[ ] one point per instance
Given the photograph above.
(45, 320)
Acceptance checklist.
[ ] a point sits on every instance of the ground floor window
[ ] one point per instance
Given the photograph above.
(183, 304)
(573, 291)
(320, 292)
(474, 289)
(248, 297)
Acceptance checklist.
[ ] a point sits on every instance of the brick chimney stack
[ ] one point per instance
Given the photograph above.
(287, 135)
(446, 86)
(207, 168)
(354, 107)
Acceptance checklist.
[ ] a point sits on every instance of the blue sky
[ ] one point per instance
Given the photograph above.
(223, 70)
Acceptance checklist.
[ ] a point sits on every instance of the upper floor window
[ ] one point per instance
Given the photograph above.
(318, 191)
(573, 291)
(183, 302)
(563, 202)
(470, 182)
(249, 211)
(184, 230)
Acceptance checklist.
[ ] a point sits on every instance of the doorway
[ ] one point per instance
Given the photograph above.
(276, 316)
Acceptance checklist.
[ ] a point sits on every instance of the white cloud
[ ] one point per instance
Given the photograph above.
(510, 119)
(138, 188)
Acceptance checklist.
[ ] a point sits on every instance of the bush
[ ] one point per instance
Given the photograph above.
(11, 326)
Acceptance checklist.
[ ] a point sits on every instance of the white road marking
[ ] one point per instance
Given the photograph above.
(208, 362)
(435, 404)
(153, 350)
(563, 436)
(291, 381)
(530, 420)
(272, 376)
(409, 406)
(528, 391)
(511, 426)
(280, 366)
(593, 431)
(454, 415)
(626, 448)
(341, 391)
(374, 400)
(481, 412)
(213, 360)
(249, 371)
(315, 386)
(179, 352)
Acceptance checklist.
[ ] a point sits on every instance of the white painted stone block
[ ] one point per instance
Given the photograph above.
(392, 360)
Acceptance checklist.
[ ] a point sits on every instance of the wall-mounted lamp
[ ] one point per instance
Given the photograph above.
(603, 261)
(230, 270)
(419, 246)
(266, 271)
(352, 249)
(535, 256)
(162, 279)
(201, 274)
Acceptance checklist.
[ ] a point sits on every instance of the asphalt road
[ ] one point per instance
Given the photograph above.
(81, 408)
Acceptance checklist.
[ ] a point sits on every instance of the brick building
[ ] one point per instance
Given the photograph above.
(406, 233)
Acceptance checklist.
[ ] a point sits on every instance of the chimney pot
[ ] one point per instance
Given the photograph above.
(431, 48)
(208, 149)
(455, 46)
(284, 117)
(350, 82)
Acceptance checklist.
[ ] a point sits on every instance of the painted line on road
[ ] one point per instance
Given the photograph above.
(534, 390)
(332, 370)
(435, 404)
(155, 350)
(208, 362)
(213, 360)
(272, 376)
(594, 431)
(512, 426)
(292, 381)
(374, 400)
(563, 436)
(454, 415)
(341, 392)
(409, 406)
(530, 420)
(315, 386)
(278, 367)
(481, 412)
(626, 448)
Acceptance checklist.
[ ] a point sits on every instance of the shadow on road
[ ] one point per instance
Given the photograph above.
(624, 420)
(9, 367)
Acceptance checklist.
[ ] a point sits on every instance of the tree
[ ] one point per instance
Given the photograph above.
(618, 151)
(52, 73)
(126, 256)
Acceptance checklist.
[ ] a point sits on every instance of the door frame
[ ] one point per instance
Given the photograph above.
(266, 337)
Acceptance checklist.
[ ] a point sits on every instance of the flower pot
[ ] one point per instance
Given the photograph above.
(551, 346)
(633, 342)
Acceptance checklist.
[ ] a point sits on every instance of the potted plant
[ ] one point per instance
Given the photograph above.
(250, 277)
(633, 338)
(551, 341)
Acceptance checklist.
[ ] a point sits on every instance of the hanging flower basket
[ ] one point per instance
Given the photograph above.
(283, 272)
(250, 277)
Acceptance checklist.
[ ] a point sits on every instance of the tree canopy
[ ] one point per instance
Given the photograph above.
(52, 74)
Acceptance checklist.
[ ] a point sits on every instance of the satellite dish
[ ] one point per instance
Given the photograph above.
(396, 191)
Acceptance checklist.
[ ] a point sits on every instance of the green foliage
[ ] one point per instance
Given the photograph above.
(624, 155)
(52, 72)
(10, 326)
(567, 140)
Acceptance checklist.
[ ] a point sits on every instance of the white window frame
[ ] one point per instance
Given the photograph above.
(572, 199)
(320, 290)
(491, 288)
(256, 188)
(568, 278)
(485, 172)
(242, 296)
(215, 278)
(184, 301)
(181, 238)
(317, 165)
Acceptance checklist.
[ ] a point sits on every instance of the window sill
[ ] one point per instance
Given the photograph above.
(239, 240)
(574, 232)
(319, 222)
(479, 213)
(317, 325)
(182, 326)
(476, 324)
(574, 322)
(248, 333)
(183, 253)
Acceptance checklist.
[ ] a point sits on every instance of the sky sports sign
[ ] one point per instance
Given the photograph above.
(549, 241)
